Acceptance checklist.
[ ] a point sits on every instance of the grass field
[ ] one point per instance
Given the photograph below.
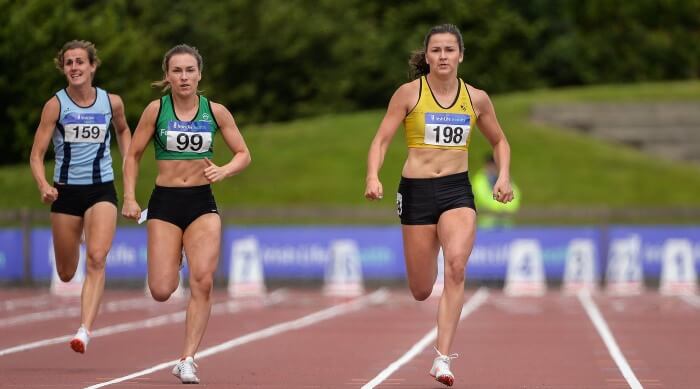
(321, 160)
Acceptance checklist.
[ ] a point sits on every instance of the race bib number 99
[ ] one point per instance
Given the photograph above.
(194, 137)
(85, 128)
(446, 129)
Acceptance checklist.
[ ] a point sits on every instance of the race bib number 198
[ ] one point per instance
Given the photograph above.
(194, 137)
(85, 128)
(446, 129)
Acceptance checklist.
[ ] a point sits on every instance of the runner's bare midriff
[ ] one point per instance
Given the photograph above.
(431, 163)
(181, 173)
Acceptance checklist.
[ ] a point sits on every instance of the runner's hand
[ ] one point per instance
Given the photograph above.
(374, 190)
(212, 172)
(502, 191)
(131, 210)
(49, 194)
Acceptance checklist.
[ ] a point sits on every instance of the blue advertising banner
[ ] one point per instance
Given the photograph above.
(489, 259)
(11, 258)
(303, 252)
(650, 244)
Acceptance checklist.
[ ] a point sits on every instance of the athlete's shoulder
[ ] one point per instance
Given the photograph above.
(152, 109)
(217, 107)
(154, 104)
(480, 99)
(53, 102)
(408, 92)
(211, 102)
(474, 92)
(471, 88)
(221, 114)
(52, 108)
(411, 86)
(115, 100)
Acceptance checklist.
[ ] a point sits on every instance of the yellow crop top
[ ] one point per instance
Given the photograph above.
(429, 125)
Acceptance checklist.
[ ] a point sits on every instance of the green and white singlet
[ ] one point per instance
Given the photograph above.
(179, 139)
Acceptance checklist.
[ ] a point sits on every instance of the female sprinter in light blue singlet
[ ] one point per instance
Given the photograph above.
(82, 197)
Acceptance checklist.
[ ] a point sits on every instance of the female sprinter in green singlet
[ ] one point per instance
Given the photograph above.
(182, 212)
(435, 200)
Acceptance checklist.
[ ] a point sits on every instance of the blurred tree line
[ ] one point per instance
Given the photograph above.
(273, 60)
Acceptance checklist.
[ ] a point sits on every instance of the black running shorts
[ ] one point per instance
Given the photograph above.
(181, 206)
(76, 199)
(423, 200)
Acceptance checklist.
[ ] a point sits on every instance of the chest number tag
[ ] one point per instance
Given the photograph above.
(446, 129)
(85, 128)
(194, 137)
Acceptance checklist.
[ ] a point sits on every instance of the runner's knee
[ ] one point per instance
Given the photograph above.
(421, 293)
(96, 259)
(161, 292)
(65, 274)
(454, 271)
(202, 284)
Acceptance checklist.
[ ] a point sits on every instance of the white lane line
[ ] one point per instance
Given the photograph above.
(156, 321)
(377, 297)
(112, 306)
(34, 301)
(607, 336)
(469, 307)
(692, 300)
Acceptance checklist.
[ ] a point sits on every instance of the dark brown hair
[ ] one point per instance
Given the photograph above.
(88, 46)
(179, 49)
(417, 66)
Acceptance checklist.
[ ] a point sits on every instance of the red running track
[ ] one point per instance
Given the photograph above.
(301, 339)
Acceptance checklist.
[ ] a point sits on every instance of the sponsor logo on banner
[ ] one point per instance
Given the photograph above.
(580, 271)
(246, 277)
(678, 276)
(344, 270)
(624, 274)
(525, 275)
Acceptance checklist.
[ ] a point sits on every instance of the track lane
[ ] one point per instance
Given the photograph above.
(142, 377)
(522, 342)
(661, 336)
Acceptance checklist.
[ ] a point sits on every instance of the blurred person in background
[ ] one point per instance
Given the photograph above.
(493, 213)
(82, 197)
(182, 212)
(435, 201)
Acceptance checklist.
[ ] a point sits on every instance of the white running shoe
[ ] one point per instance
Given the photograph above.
(80, 340)
(441, 368)
(185, 370)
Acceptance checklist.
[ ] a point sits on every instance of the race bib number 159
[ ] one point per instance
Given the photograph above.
(85, 128)
(446, 129)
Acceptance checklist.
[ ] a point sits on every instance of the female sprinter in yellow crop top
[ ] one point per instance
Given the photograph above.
(435, 200)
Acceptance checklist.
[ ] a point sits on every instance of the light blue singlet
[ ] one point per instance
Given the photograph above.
(81, 141)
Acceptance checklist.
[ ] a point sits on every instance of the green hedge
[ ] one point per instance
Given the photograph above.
(275, 60)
